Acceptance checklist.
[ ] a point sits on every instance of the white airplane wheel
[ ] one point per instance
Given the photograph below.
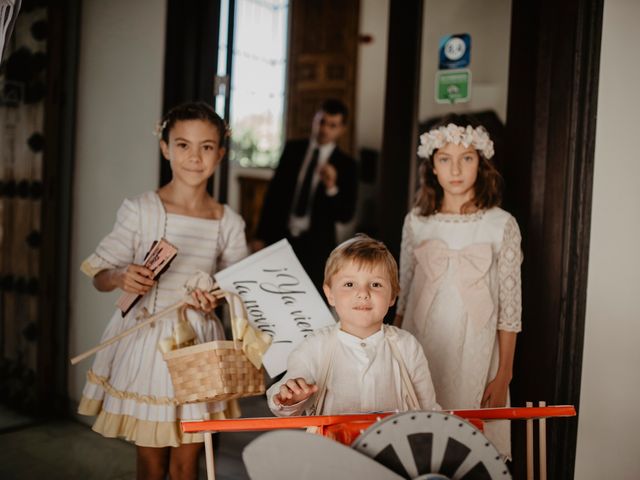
(418, 445)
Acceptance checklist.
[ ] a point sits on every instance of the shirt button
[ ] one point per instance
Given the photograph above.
(363, 344)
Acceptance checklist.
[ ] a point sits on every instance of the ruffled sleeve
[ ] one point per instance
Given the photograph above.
(232, 242)
(407, 264)
(510, 295)
(118, 248)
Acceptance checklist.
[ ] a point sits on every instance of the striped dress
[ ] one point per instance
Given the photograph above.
(128, 386)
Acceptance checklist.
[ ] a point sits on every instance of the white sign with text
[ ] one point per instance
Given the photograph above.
(280, 299)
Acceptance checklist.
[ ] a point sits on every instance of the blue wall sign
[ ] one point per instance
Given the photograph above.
(455, 51)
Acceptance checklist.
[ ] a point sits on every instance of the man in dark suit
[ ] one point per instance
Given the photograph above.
(314, 186)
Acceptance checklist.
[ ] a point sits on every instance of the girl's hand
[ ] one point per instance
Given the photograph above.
(205, 301)
(294, 391)
(134, 279)
(495, 395)
(256, 245)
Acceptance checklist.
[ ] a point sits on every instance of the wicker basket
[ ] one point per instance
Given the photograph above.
(214, 371)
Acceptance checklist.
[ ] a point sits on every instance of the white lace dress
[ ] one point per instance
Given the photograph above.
(460, 283)
(129, 387)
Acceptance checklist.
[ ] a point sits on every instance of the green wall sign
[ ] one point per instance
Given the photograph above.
(453, 86)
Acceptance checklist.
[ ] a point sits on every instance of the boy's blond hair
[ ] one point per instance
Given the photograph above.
(365, 252)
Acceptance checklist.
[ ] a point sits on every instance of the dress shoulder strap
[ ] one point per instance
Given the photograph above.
(318, 403)
(411, 397)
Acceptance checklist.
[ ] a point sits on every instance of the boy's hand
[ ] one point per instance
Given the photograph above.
(294, 391)
(135, 279)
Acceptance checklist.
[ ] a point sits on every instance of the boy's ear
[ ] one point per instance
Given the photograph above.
(328, 294)
(165, 149)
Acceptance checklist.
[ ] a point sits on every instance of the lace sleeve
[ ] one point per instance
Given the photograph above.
(510, 296)
(407, 264)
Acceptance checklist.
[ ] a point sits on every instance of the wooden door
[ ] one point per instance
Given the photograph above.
(323, 43)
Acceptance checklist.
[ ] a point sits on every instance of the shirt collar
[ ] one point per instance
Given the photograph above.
(352, 340)
(325, 150)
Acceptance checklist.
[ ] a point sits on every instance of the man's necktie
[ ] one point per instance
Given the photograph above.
(305, 190)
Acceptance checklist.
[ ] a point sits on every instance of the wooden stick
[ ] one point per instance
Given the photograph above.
(529, 445)
(542, 444)
(78, 358)
(106, 343)
(208, 454)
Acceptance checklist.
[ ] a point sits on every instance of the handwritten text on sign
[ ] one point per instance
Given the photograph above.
(280, 299)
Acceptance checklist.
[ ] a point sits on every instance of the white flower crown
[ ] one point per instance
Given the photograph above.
(477, 137)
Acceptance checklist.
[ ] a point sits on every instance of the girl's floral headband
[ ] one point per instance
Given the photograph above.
(467, 136)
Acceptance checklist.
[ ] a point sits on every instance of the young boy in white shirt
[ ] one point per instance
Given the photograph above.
(358, 365)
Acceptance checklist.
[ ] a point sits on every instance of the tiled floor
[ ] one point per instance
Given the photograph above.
(67, 449)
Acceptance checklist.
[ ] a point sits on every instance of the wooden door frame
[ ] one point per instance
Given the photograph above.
(553, 94)
(400, 133)
(63, 22)
(551, 121)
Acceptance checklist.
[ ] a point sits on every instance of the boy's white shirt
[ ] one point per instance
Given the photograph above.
(364, 377)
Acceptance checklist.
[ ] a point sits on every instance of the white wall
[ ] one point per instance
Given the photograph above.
(609, 417)
(371, 78)
(371, 74)
(119, 102)
(489, 24)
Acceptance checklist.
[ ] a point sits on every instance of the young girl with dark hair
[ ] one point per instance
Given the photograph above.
(460, 272)
(128, 386)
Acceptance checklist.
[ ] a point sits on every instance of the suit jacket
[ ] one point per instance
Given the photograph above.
(325, 210)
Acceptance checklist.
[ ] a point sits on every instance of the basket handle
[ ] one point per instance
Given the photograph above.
(233, 299)
(182, 312)
(254, 343)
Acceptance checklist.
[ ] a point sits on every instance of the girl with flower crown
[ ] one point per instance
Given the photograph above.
(129, 387)
(460, 272)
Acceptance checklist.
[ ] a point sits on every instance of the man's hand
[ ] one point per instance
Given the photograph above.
(329, 176)
(294, 391)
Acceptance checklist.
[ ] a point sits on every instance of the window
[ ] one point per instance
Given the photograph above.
(258, 75)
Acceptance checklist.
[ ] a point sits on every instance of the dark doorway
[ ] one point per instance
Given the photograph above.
(191, 56)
